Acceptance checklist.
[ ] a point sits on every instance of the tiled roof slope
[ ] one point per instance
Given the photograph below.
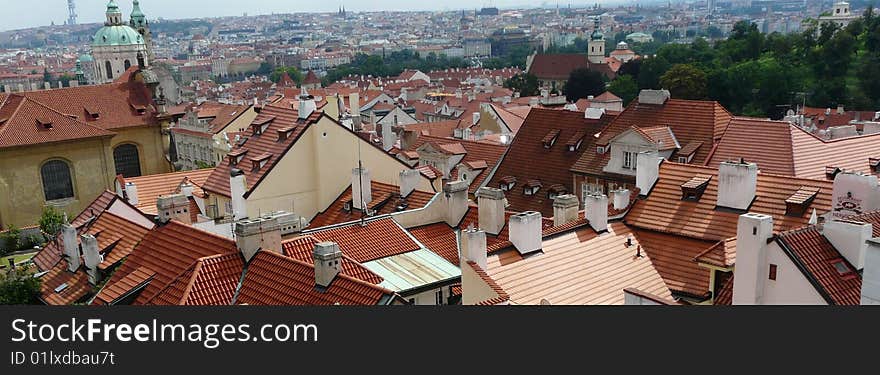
(664, 210)
(51, 254)
(150, 187)
(275, 279)
(812, 155)
(528, 159)
(210, 280)
(115, 103)
(475, 152)
(722, 254)
(118, 234)
(815, 255)
(386, 199)
(169, 250)
(302, 249)
(872, 217)
(258, 145)
(558, 66)
(77, 285)
(578, 267)
(725, 295)
(131, 283)
(439, 238)
(30, 122)
(673, 257)
(500, 295)
(379, 238)
(690, 121)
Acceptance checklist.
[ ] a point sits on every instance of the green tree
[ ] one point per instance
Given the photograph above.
(10, 240)
(19, 287)
(582, 83)
(292, 71)
(51, 220)
(625, 87)
(525, 84)
(650, 72)
(685, 81)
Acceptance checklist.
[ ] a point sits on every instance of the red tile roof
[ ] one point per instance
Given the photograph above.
(665, 211)
(77, 285)
(117, 237)
(115, 103)
(724, 296)
(131, 283)
(30, 123)
(528, 159)
(722, 254)
(481, 153)
(500, 295)
(311, 78)
(558, 66)
(274, 279)
(673, 257)
(51, 254)
(210, 280)
(815, 257)
(150, 187)
(440, 238)
(302, 249)
(380, 238)
(386, 199)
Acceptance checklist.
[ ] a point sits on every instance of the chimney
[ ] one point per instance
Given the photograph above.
(361, 188)
(132, 192)
(47, 86)
(737, 184)
(752, 232)
(621, 198)
(647, 171)
(653, 96)
(870, 127)
(237, 187)
(257, 234)
(328, 262)
(71, 247)
(354, 104)
(525, 231)
(456, 193)
(307, 105)
(854, 193)
(565, 209)
(91, 257)
(849, 237)
(596, 211)
(473, 246)
(173, 206)
(186, 189)
(409, 178)
(871, 274)
(387, 135)
(490, 202)
(840, 110)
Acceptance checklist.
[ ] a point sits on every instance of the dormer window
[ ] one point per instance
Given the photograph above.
(600, 150)
(575, 142)
(531, 187)
(874, 163)
(550, 139)
(694, 188)
(260, 125)
(284, 133)
(683, 159)
(629, 159)
(260, 161)
(556, 190)
(507, 183)
(44, 123)
(796, 205)
(92, 113)
(236, 156)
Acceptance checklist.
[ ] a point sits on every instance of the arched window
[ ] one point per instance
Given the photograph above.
(127, 160)
(127, 64)
(57, 183)
(109, 70)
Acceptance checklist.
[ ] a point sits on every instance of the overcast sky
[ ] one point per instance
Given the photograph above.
(18, 14)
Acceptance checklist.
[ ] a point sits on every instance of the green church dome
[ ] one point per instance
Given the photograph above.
(117, 35)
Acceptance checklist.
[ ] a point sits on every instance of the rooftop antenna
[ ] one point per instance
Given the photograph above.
(361, 184)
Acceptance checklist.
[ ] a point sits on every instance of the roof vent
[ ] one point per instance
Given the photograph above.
(44, 123)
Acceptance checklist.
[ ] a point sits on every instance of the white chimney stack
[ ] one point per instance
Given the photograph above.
(409, 178)
(263, 233)
(237, 188)
(565, 209)
(737, 184)
(596, 211)
(388, 138)
(525, 232)
(173, 206)
(91, 257)
(849, 238)
(307, 105)
(71, 247)
(132, 192)
(653, 96)
(328, 263)
(456, 193)
(854, 193)
(361, 188)
(752, 232)
(473, 243)
(647, 171)
(871, 274)
(186, 189)
(621, 198)
(490, 202)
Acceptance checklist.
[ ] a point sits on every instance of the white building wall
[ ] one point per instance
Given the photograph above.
(791, 287)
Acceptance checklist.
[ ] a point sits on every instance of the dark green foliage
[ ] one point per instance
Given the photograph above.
(583, 83)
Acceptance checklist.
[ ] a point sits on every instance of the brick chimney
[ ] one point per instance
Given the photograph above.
(565, 209)
(525, 232)
(647, 171)
(132, 192)
(409, 178)
(456, 193)
(252, 235)
(473, 246)
(361, 188)
(737, 184)
(490, 202)
(91, 257)
(871, 273)
(752, 232)
(173, 206)
(328, 263)
(237, 188)
(70, 247)
(849, 238)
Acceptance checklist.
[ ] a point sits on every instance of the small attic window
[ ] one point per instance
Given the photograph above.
(44, 123)
(507, 183)
(694, 188)
(575, 142)
(284, 133)
(841, 267)
(874, 163)
(550, 139)
(556, 190)
(796, 205)
(600, 150)
(531, 187)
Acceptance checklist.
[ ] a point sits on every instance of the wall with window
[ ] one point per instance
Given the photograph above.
(151, 151)
(791, 287)
(90, 164)
(439, 296)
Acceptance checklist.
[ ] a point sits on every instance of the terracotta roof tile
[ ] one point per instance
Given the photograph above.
(51, 254)
(302, 249)
(274, 279)
(210, 280)
(135, 280)
(439, 238)
(673, 257)
(500, 295)
(725, 295)
(117, 237)
(816, 256)
(115, 103)
(380, 238)
(478, 155)
(386, 199)
(77, 285)
(31, 122)
(722, 254)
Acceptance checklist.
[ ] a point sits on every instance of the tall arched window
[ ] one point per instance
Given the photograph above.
(127, 160)
(57, 183)
(127, 64)
(109, 70)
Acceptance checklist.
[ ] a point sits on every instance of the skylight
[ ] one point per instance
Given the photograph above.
(841, 267)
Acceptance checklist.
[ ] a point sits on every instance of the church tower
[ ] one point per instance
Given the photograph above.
(596, 45)
(139, 23)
